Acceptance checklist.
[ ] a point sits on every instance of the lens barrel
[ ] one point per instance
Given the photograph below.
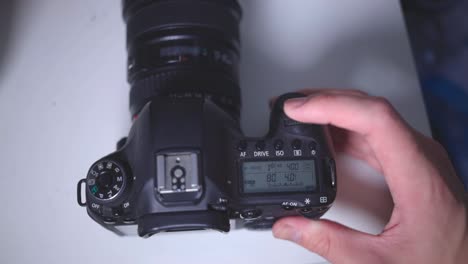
(183, 48)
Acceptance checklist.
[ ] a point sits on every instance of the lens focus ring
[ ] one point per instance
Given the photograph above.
(186, 83)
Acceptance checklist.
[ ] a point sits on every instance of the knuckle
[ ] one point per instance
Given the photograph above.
(383, 107)
(384, 111)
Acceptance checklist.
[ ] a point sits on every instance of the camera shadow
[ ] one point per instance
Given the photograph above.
(376, 59)
(8, 10)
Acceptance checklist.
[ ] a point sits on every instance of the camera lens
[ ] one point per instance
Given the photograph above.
(183, 48)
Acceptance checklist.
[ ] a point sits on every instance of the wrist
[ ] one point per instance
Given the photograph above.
(463, 252)
(462, 256)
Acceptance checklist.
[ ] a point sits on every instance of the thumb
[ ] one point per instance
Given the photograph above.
(334, 242)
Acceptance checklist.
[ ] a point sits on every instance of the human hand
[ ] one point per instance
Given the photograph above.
(429, 222)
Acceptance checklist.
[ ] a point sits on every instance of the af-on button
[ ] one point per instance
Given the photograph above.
(289, 205)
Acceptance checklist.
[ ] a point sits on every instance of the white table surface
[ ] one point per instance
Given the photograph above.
(63, 104)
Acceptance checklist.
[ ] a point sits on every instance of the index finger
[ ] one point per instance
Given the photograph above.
(390, 138)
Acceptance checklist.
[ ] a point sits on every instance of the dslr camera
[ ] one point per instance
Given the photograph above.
(185, 164)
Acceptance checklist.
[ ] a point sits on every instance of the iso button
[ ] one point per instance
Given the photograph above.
(278, 144)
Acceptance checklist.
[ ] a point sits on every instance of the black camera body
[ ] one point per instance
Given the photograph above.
(186, 165)
(291, 171)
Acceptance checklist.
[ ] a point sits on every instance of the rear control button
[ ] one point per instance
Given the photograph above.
(251, 214)
(260, 145)
(312, 212)
(323, 209)
(278, 144)
(296, 144)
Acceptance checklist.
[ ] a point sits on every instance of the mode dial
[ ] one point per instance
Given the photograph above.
(106, 180)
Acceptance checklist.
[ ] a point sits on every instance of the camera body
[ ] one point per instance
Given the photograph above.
(288, 172)
(185, 164)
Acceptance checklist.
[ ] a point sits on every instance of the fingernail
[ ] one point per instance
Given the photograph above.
(287, 232)
(295, 103)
